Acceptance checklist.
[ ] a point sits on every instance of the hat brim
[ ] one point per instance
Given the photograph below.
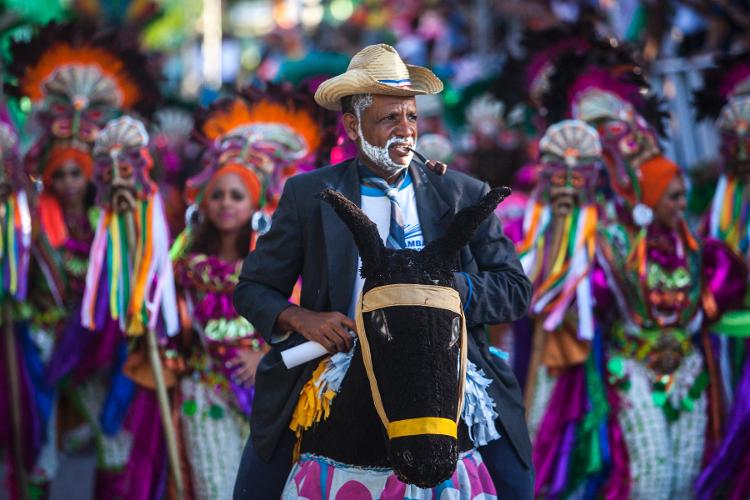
(358, 81)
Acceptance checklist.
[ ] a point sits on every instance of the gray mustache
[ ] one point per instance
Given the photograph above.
(398, 141)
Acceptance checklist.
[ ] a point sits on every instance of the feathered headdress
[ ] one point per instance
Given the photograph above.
(729, 77)
(526, 79)
(608, 69)
(260, 117)
(544, 49)
(275, 131)
(130, 273)
(76, 75)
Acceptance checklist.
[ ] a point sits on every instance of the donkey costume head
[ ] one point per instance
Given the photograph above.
(413, 340)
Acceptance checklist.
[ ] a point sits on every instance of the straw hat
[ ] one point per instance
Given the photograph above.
(377, 69)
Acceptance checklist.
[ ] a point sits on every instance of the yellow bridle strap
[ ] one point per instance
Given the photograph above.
(439, 297)
(423, 425)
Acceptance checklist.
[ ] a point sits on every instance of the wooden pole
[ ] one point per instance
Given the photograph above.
(166, 414)
(162, 395)
(11, 362)
(540, 336)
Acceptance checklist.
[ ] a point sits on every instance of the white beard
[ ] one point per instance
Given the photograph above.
(381, 157)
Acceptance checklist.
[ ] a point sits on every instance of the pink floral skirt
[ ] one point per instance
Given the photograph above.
(318, 478)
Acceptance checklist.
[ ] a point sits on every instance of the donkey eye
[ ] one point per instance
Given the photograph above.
(380, 323)
(455, 330)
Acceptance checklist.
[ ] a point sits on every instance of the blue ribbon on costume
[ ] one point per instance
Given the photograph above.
(499, 353)
(44, 394)
(595, 484)
(121, 394)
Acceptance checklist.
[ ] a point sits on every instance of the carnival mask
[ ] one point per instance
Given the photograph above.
(570, 153)
(626, 139)
(734, 126)
(121, 164)
(80, 100)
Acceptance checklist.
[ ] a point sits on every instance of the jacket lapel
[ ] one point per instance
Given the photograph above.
(341, 252)
(431, 207)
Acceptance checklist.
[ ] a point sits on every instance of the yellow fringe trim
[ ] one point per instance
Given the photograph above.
(310, 409)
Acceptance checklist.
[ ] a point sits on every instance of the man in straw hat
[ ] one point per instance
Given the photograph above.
(411, 206)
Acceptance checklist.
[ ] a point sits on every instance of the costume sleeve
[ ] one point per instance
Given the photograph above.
(271, 270)
(500, 290)
(725, 277)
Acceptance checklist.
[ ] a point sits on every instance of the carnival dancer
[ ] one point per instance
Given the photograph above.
(526, 79)
(605, 88)
(725, 97)
(565, 391)
(22, 416)
(76, 78)
(308, 239)
(524, 85)
(243, 135)
(130, 293)
(666, 286)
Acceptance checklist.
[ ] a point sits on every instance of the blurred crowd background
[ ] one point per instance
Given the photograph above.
(207, 47)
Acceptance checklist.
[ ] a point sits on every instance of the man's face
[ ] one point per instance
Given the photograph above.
(384, 131)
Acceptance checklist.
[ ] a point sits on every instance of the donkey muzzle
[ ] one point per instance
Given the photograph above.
(424, 460)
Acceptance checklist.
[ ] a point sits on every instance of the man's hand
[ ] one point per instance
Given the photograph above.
(329, 329)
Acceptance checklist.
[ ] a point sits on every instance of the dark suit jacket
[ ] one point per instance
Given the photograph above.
(308, 239)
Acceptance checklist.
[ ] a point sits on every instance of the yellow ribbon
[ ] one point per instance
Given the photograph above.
(423, 425)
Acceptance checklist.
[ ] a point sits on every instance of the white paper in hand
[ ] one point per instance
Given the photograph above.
(305, 352)
(302, 353)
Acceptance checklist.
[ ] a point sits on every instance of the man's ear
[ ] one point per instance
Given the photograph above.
(350, 126)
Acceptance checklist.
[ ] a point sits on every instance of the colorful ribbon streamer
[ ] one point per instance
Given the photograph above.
(131, 270)
(15, 246)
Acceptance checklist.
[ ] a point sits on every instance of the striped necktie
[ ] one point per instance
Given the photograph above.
(396, 239)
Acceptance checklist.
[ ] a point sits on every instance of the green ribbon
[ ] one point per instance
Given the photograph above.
(734, 324)
(688, 402)
(586, 457)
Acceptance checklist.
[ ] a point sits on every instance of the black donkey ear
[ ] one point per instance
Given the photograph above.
(465, 224)
(365, 231)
